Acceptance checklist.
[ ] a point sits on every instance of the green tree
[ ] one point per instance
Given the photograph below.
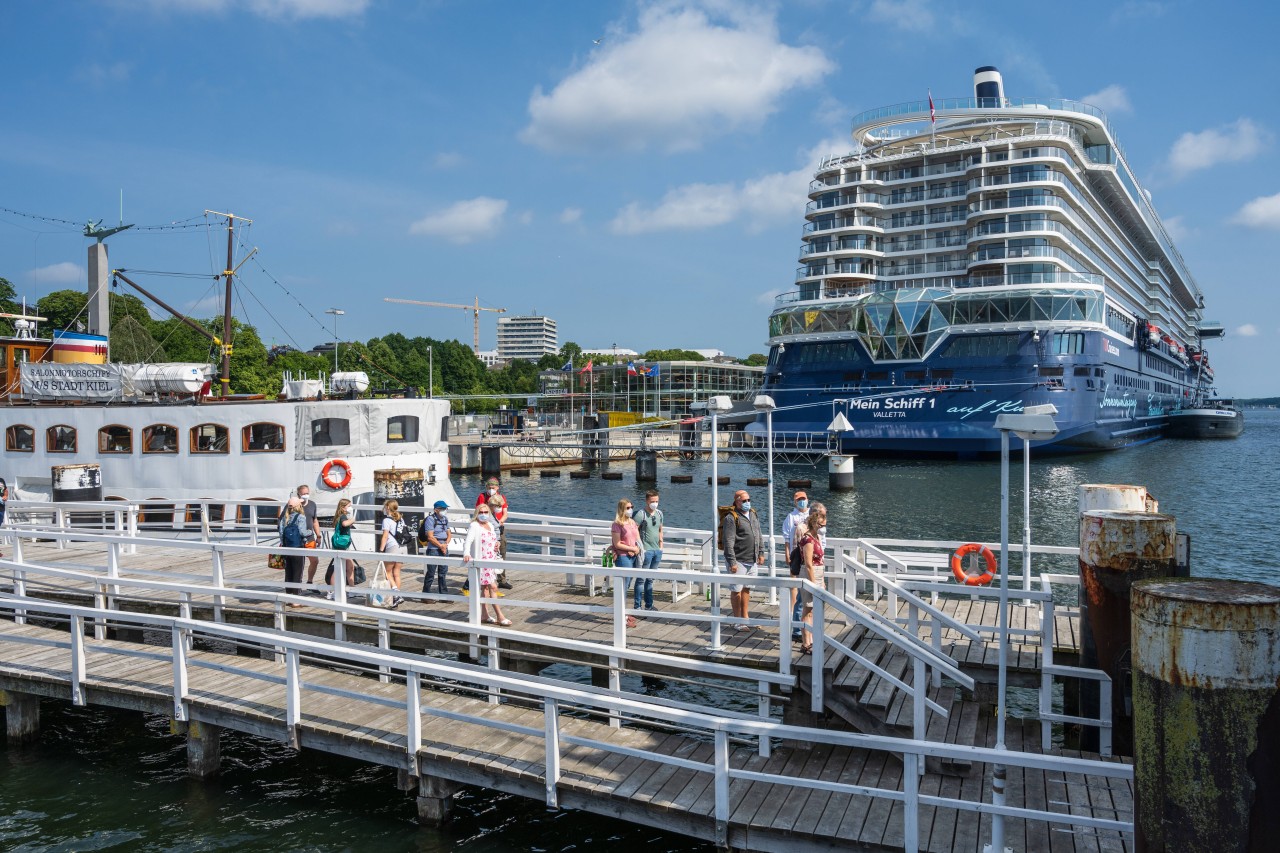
(672, 355)
(8, 305)
(301, 362)
(131, 343)
(756, 359)
(569, 351)
(63, 308)
(550, 362)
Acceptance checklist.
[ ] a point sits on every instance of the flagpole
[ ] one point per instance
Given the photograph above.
(933, 124)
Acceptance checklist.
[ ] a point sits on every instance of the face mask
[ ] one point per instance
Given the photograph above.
(484, 516)
(304, 498)
(440, 513)
(822, 531)
(802, 503)
(746, 506)
(653, 506)
(493, 491)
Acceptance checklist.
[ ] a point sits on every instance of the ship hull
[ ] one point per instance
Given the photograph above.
(1206, 423)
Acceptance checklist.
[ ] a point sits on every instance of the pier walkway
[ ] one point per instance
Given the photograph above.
(906, 660)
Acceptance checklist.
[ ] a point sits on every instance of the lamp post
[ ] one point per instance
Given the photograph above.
(1035, 422)
(336, 312)
(431, 372)
(764, 403)
(715, 405)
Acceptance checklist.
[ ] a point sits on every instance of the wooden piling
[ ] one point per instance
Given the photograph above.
(435, 800)
(22, 716)
(204, 750)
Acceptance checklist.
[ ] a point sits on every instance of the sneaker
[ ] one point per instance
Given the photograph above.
(328, 596)
(651, 607)
(502, 584)
(796, 635)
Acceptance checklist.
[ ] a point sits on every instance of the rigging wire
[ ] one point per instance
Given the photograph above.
(54, 220)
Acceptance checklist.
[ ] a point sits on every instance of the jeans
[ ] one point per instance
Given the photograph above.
(648, 560)
(293, 574)
(432, 572)
(624, 561)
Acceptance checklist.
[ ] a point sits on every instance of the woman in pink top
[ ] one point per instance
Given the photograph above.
(810, 546)
(626, 536)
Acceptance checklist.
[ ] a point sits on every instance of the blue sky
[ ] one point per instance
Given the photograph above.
(646, 191)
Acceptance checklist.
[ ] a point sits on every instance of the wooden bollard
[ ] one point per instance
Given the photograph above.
(519, 472)
(799, 484)
(724, 481)
(682, 478)
(548, 473)
(579, 475)
(610, 475)
(757, 481)
(1206, 715)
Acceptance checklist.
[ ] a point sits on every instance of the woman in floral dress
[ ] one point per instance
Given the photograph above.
(482, 544)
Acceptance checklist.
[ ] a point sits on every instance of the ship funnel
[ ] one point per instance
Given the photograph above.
(988, 86)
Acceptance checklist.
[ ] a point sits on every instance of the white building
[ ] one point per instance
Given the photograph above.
(490, 358)
(529, 337)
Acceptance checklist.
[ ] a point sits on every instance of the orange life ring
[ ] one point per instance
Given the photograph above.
(339, 482)
(957, 564)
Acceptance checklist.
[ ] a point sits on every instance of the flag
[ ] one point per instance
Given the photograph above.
(652, 371)
(631, 369)
(586, 368)
(933, 118)
(568, 365)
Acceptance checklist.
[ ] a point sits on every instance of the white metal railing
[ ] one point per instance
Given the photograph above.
(557, 700)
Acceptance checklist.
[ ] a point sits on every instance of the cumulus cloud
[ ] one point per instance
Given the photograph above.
(1113, 99)
(570, 215)
(294, 9)
(463, 221)
(1262, 212)
(1248, 330)
(63, 273)
(685, 75)
(1229, 143)
(776, 197)
(911, 15)
(448, 160)
(1178, 229)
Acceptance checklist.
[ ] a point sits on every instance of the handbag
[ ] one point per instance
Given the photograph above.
(381, 593)
(275, 561)
(357, 574)
(340, 541)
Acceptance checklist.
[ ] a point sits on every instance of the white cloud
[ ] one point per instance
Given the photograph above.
(63, 273)
(570, 215)
(1248, 330)
(449, 160)
(1229, 143)
(295, 9)
(1113, 99)
(1262, 212)
(1178, 229)
(912, 15)
(525, 217)
(776, 197)
(768, 296)
(463, 221)
(101, 75)
(685, 75)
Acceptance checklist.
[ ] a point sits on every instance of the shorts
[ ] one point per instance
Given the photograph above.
(394, 548)
(744, 571)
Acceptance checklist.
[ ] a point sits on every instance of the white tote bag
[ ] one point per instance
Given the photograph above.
(381, 593)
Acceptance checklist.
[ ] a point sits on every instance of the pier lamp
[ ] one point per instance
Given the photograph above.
(336, 312)
(764, 403)
(431, 372)
(715, 407)
(1035, 423)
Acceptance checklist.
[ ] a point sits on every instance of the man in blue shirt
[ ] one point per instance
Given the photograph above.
(433, 535)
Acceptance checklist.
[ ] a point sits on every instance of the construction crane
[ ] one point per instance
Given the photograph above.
(474, 309)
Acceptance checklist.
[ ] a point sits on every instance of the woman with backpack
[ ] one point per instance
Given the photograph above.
(393, 528)
(344, 518)
(293, 527)
(810, 547)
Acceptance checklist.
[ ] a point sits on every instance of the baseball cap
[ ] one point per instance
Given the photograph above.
(441, 505)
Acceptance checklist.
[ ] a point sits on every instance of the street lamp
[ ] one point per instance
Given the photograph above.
(431, 372)
(1034, 424)
(764, 403)
(336, 312)
(715, 405)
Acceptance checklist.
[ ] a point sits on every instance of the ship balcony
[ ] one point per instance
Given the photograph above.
(831, 182)
(1017, 253)
(920, 245)
(844, 267)
(922, 268)
(872, 223)
(1024, 278)
(845, 200)
(866, 122)
(988, 204)
(840, 246)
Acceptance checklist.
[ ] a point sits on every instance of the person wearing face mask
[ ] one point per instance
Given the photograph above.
(433, 535)
(792, 528)
(811, 545)
(311, 538)
(482, 544)
(493, 490)
(649, 521)
(744, 552)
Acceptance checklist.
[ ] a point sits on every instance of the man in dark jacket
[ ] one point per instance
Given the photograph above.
(743, 551)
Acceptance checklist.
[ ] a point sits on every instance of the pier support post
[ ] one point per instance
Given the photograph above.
(522, 665)
(490, 460)
(1206, 665)
(204, 749)
(435, 800)
(646, 466)
(840, 472)
(22, 716)
(1117, 548)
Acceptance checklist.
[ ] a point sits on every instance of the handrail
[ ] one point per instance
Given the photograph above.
(936, 612)
(553, 694)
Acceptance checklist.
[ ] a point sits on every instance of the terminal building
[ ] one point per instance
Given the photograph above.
(528, 338)
(662, 389)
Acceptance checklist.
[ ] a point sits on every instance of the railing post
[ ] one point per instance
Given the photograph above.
(551, 765)
(340, 596)
(764, 705)
(277, 621)
(919, 690)
(494, 665)
(132, 516)
(204, 521)
(413, 725)
(19, 590)
(1104, 718)
(722, 788)
(77, 660)
(615, 687)
(817, 656)
(218, 578)
(184, 612)
(784, 630)
(293, 695)
(60, 521)
(912, 768)
(619, 614)
(179, 675)
(473, 607)
(384, 644)
(99, 623)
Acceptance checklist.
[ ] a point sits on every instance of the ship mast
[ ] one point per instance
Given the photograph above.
(229, 274)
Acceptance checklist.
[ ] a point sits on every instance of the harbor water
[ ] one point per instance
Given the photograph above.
(100, 780)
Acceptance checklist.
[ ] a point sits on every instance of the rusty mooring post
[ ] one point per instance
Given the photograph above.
(1117, 547)
(1206, 665)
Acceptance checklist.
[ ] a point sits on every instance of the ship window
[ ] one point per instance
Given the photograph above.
(982, 346)
(209, 438)
(115, 439)
(263, 438)
(327, 432)
(1068, 343)
(402, 428)
(160, 438)
(20, 438)
(61, 438)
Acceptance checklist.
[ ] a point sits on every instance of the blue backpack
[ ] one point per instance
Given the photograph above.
(291, 537)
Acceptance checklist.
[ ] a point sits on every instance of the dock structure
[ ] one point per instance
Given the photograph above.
(887, 745)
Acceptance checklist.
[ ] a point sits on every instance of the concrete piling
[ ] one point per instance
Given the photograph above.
(491, 461)
(22, 716)
(840, 472)
(435, 800)
(204, 749)
(646, 466)
(1206, 665)
(1112, 496)
(1117, 548)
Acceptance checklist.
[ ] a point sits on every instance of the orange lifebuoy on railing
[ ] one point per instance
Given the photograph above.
(957, 564)
(336, 481)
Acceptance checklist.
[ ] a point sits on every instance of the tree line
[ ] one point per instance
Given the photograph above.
(393, 361)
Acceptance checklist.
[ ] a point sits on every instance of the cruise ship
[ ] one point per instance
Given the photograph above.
(973, 256)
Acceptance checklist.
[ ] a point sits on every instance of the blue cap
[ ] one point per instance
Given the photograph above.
(441, 505)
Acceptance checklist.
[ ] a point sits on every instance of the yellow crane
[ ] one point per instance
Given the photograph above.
(474, 309)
